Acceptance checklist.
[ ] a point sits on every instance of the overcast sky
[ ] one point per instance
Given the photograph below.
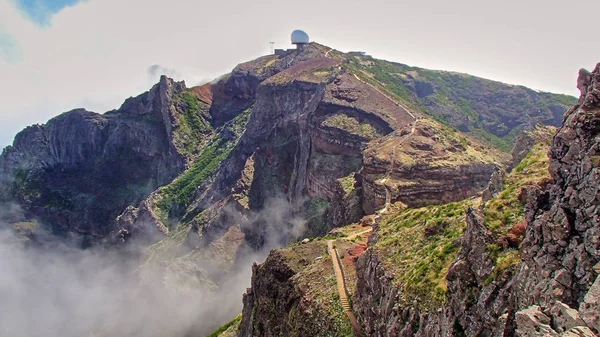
(63, 54)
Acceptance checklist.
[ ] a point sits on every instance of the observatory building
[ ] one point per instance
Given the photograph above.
(299, 38)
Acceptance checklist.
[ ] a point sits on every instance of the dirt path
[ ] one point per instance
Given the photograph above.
(388, 192)
(359, 233)
(341, 282)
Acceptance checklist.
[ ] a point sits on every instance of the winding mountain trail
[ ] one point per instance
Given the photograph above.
(341, 282)
(388, 192)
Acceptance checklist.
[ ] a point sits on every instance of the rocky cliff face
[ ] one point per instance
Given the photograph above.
(300, 282)
(425, 164)
(279, 149)
(283, 285)
(307, 120)
(488, 291)
(78, 171)
(560, 250)
(521, 261)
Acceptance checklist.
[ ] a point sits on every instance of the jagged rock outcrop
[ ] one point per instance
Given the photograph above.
(561, 245)
(553, 292)
(399, 158)
(286, 147)
(560, 320)
(169, 128)
(494, 186)
(305, 139)
(525, 141)
(77, 172)
(380, 308)
(275, 286)
(293, 292)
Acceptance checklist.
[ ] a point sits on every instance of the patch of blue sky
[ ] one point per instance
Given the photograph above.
(41, 11)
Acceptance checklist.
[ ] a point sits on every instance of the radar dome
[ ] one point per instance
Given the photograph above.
(299, 37)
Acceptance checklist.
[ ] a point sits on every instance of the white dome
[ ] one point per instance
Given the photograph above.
(299, 37)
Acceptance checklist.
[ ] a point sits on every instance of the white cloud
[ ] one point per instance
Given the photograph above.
(98, 52)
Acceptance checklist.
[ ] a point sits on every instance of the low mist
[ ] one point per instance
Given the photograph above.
(65, 291)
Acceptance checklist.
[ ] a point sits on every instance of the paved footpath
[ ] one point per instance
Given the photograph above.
(341, 283)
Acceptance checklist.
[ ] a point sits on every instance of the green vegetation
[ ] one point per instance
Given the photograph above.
(454, 94)
(384, 76)
(314, 211)
(347, 183)
(233, 323)
(453, 147)
(25, 186)
(352, 125)
(547, 99)
(180, 192)
(418, 246)
(314, 274)
(31, 187)
(504, 260)
(193, 115)
(315, 207)
(194, 127)
(506, 210)
(163, 253)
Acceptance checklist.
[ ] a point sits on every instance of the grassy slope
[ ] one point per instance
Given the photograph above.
(506, 210)
(229, 329)
(454, 91)
(317, 280)
(464, 150)
(193, 128)
(179, 193)
(419, 245)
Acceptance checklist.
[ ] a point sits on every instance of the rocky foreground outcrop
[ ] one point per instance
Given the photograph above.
(553, 292)
(561, 248)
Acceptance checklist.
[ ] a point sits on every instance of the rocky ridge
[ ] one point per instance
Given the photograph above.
(75, 173)
(522, 261)
(279, 149)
